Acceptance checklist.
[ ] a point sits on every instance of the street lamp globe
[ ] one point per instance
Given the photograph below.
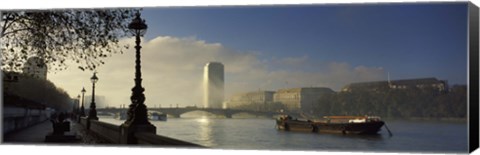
(138, 26)
(94, 79)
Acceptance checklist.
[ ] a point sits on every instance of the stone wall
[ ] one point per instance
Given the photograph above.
(107, 131)
(113, 134)
(153, 139)
(16, 118)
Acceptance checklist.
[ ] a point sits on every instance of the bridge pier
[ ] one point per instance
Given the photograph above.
(228, 113)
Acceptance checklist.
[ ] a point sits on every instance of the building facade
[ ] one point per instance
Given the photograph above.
(421, 83)
(213, 80)
(439, 85)
(35, 67)
(300, 99)
(258, 100)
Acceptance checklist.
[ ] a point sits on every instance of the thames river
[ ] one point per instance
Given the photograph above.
(260, 134)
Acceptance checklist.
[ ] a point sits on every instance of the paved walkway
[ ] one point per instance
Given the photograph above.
(86, 136)
(33, 134)
(36, 134)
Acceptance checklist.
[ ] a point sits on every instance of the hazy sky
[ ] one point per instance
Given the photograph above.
(272, 47)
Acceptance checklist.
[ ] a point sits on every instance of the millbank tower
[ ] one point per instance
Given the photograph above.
(213, 82)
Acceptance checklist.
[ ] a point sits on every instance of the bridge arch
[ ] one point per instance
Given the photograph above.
(177, 112)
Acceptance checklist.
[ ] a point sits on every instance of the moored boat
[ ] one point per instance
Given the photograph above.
(157, 116)
(332, 124)
(120, 116)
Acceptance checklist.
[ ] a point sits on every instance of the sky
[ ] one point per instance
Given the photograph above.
(275, 47)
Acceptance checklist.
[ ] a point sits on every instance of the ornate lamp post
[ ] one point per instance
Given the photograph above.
(137, 120)
(82, 108)
(93, 111)
(137, 112)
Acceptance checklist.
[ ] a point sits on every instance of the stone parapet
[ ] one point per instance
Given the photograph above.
(107, 131)
(153, 139)
(128, 134)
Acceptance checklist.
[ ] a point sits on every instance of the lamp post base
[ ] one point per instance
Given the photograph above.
(128, 132)
(92, 114)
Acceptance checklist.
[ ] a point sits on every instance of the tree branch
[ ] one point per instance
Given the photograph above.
(4, 27)
(15, 31)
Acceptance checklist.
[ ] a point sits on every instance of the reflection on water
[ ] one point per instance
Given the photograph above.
(205, 131)
(260, 134)
(375, 137)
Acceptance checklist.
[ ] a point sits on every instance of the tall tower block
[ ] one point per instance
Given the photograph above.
(213, 82)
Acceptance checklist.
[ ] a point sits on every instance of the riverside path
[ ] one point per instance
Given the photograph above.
(36, 134)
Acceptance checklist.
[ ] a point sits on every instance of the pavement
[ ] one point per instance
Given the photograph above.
(36, 134)
(32, 134)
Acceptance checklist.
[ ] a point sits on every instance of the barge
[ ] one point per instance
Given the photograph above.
(332, 124)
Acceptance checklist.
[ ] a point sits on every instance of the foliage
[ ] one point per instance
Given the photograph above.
(395, 103)
(39, 90)
(83, 36)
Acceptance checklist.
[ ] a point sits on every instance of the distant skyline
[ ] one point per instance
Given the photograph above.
(273, 47)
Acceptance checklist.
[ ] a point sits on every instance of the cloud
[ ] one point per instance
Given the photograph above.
(172, 72)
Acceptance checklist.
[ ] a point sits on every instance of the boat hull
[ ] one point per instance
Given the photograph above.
(320, 127)
(295, 126)
(349, 128)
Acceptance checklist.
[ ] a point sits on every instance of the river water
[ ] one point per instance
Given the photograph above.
(260, 134)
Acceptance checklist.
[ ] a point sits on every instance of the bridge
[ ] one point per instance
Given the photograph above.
(177, 112)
